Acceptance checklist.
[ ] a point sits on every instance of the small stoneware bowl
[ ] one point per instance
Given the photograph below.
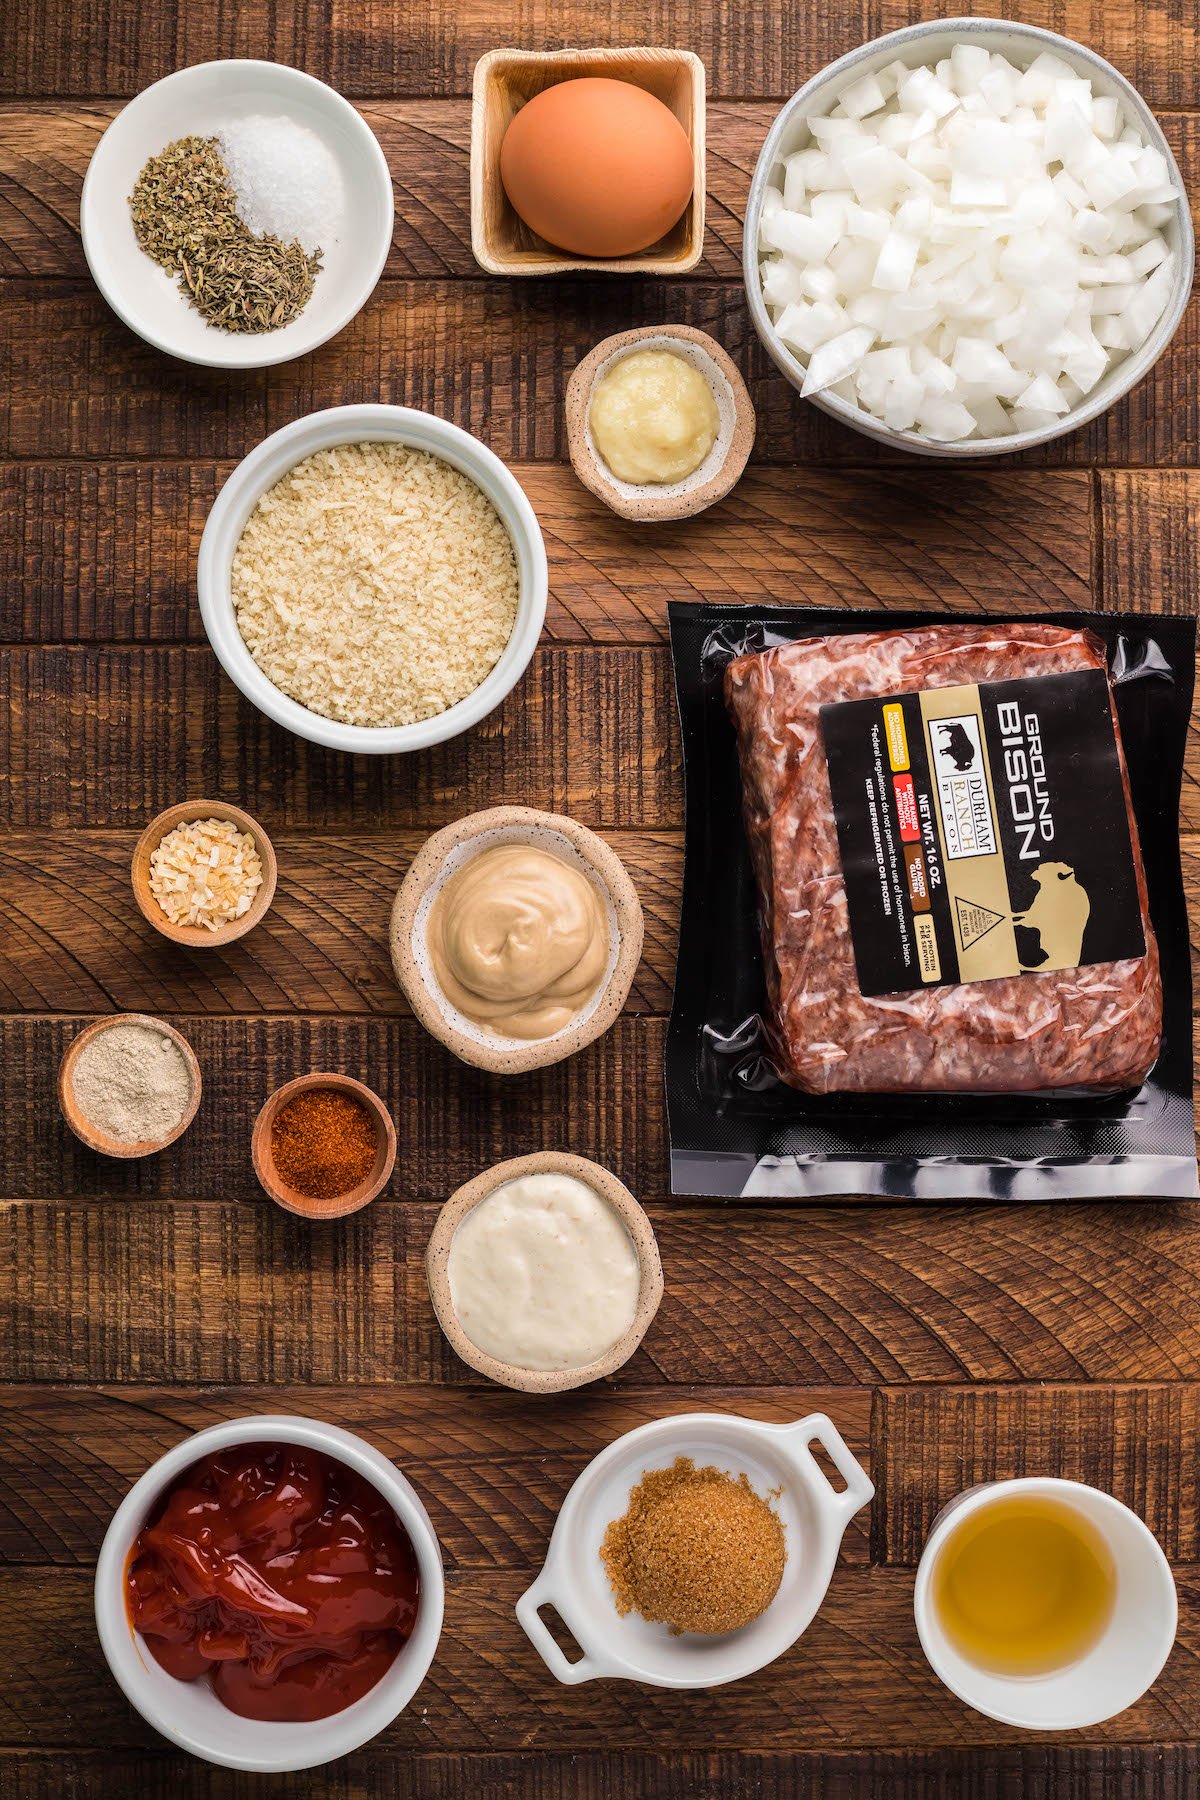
(82, 1126)
(504, 81)
(723, 465)
(198, 937)
(188, 1712)
(201, 101)
(618, 1196)
(338, 1205)
(779, 1465)
(447, 851)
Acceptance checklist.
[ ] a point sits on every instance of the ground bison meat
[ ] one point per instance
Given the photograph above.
(1093, 1027)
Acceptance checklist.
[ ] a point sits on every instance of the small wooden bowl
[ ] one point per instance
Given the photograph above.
(504, 80)
(437, 1261)
(82, 1126)
(198, 937)
(549, 831)
(305, 1205)
(715, 476)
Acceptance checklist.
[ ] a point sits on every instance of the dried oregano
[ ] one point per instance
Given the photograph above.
(185, 216)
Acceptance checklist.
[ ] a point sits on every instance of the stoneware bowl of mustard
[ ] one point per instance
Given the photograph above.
(543, 1289)
(519, 960)
(779, 1464)
(677, 433)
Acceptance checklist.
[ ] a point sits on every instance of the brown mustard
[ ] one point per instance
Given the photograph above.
(519, 940)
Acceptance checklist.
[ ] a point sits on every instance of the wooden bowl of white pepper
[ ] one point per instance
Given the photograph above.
(129, 1085)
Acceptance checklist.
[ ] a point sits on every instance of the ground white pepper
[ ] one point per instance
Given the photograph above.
(131, 1083)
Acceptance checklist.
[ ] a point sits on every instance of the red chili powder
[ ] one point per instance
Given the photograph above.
(323, 1143)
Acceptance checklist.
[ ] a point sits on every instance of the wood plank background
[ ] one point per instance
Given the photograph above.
(952, 1345)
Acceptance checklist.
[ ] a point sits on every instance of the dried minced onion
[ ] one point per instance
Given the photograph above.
(966, 250)
(205, 872)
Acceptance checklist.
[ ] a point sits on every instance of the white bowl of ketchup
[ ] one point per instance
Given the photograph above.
(189, 1712)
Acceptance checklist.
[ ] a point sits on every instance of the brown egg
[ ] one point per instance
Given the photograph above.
(600, 168)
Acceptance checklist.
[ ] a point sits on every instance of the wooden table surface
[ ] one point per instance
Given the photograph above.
(950, 1345)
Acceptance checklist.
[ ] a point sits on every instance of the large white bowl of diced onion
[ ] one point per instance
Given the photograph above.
(967, 238)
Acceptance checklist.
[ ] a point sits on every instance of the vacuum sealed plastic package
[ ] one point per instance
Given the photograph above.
(934, 940)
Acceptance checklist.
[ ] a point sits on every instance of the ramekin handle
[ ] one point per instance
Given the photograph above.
(819, 1428)
(544, 1592)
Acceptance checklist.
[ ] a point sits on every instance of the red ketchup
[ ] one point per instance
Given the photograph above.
(278, 1573)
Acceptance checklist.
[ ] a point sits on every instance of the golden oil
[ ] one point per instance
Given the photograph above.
(1025, 1585)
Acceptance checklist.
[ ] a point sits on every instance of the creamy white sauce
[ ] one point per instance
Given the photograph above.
(543, 1273)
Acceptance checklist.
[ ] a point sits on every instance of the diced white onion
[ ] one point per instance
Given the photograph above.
(967, 250)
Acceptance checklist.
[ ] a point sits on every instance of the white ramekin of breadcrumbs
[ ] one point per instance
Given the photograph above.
(373, 578)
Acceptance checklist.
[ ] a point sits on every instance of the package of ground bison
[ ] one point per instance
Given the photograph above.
(934, 940)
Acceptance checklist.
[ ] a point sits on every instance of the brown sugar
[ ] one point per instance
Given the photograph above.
(697, 1550)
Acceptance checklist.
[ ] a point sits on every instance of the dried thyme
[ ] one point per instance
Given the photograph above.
(185, 216)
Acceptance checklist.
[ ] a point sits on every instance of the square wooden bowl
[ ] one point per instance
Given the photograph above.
(504, 80)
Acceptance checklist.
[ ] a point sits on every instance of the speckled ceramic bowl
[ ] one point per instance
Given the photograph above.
(723, 465)
(447, 851)
(618, 1196)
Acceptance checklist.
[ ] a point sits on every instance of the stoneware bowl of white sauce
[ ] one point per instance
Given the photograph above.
(202, 101)
(553, 1266)
(778, 1463)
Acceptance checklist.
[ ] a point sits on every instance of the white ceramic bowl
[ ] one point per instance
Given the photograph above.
(201, 100)
(189, 1713)
(927, 43)
(573, 1580)
(377, 424)
(1119, 1667)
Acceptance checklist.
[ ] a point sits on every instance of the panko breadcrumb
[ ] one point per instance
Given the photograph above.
(696, 1550)
(375, 584)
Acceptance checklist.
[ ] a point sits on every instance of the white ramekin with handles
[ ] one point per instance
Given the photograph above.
(268, 463)
(925, 44)
(1116, 1671)
(188, 1712)
(778, 1462)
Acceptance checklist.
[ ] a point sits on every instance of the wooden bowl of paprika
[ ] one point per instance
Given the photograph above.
(323, 1146)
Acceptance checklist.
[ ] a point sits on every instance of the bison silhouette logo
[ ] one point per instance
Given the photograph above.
(957, 745)
(1057, 918)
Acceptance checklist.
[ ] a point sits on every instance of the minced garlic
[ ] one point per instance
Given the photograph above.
(205, 872)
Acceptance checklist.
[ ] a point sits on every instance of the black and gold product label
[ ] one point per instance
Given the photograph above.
(983, 831)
